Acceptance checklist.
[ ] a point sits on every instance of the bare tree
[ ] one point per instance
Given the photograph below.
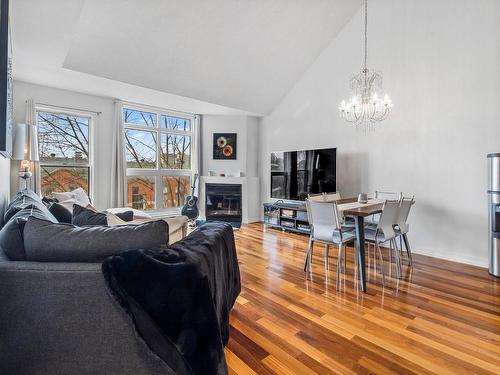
(63, 143)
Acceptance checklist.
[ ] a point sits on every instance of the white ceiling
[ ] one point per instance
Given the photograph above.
(242, 56)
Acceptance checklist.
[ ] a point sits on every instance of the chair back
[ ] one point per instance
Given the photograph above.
(320, 197)
(315, 197)
(388, 218)
(331, 197)
(324, 219)
(388, 195)
(404, 211)
(324, 197)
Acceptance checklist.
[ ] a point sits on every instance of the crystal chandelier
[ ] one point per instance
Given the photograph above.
(367, 104)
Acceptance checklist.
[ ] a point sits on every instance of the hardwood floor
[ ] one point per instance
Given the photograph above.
(442, 318)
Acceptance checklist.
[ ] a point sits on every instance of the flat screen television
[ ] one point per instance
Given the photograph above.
(295, 174)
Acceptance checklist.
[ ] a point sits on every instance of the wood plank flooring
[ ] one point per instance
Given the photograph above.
(442, 318)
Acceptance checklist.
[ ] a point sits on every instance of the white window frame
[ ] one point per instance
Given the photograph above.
(90, 163)
(158, 172)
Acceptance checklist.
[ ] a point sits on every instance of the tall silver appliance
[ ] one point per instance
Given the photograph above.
(494, 213)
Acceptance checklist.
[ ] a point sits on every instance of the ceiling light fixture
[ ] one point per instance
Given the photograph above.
(367, 104)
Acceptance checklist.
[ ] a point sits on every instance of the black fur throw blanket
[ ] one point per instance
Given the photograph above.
(180, 298)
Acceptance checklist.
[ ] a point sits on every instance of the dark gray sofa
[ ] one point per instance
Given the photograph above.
(60, 319)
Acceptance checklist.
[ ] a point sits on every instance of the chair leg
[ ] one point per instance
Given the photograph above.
(345, 258)
(408, 250)
(369, 258)
(339, 263)
(390, 254)
(355, 263)
(381, 263)
(327, 254)
(374, 255)
(308, 254)
(398, 259)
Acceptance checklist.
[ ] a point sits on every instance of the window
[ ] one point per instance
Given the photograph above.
(158, 151)
(64, 151)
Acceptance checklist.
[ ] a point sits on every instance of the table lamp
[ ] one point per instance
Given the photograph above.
(25, 149)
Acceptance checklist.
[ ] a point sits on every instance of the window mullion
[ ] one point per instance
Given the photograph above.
(159, 181)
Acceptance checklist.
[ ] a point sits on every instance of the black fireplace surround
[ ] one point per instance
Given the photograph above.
(223, 203)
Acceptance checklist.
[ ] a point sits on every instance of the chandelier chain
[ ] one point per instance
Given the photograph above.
(366, 34)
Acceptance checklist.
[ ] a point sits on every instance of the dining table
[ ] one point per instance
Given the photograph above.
(359, 211)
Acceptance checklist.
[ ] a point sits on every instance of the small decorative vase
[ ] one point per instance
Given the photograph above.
(362, 198)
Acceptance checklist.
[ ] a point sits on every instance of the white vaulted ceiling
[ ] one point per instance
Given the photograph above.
(238, 54)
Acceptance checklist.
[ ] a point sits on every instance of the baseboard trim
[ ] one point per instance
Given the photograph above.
(460, 259)
(251, 220)
(473, 261)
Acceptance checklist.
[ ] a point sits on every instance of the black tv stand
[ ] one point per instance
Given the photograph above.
(289, 216)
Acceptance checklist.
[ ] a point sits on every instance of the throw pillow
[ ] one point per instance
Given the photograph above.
(87, 216)
(45, 241)
(137, 214)
(83, 216)
(61, 213)
(23, 200)
(11, 235)
(69, 198)
(47, 201)
(126, 215)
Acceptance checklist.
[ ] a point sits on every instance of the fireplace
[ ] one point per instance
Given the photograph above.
(223, 203)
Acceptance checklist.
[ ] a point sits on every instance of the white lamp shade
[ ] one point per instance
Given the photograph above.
(25, 143)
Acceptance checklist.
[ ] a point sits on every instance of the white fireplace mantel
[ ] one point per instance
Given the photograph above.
(250, 195)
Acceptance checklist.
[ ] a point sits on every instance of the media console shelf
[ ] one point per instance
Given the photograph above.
(286, 216)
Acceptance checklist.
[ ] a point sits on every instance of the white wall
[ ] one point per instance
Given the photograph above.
(102, 130)
(441, 62)
(247, 130)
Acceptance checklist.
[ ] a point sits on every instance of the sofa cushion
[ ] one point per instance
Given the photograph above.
(45, 241)
(11, 235)
(69, 198)
(83, 216)
(61, 213)
(24, 199)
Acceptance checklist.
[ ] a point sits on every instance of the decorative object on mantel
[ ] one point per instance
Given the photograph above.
(367, 104)
(25, 149)
(224, 146)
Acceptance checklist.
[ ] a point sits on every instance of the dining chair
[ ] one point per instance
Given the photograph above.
(402, 228)
(385, 232)
(387, 195)
(372, 220)
(327, 229)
